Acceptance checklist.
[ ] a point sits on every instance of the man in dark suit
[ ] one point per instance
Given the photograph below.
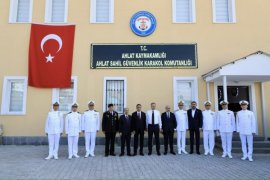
(168, 125)
(125, 129)
(195, 122)
(139, 125)
(110, 126)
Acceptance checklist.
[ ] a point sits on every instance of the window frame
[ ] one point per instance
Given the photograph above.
(56, 91)
(48, 12)
(232, 12)
(13, 11)
(192, 14)
(194, 82)
(6, 95)
(93, 13)
(105, 87)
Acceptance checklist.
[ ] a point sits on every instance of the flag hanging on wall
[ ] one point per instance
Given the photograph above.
(50, 55)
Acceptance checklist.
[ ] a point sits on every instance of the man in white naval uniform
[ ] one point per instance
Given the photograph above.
(226, 127)
(209, 125)
(73, 129)
(90, 127)
(54, 128)
(246, 125)
(181, 128)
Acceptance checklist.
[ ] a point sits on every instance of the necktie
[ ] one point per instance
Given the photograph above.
(168, 115)
(153, 118)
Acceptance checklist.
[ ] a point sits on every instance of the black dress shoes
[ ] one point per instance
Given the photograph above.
(172, 152)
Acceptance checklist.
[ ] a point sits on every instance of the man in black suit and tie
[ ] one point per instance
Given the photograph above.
(168, 125)
(195, 122)
(125, 129)
(110, 126)
(139, 125)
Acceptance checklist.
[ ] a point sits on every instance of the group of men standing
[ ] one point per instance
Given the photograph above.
(193, 120)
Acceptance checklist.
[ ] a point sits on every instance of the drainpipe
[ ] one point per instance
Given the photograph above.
(264, 116)
(225, 88)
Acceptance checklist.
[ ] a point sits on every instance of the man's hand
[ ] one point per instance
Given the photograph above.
(103, 132)
(161, 130)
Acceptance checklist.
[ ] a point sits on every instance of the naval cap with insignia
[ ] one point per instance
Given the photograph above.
(207, 103)
(56, 104)
(181, 102)
(91, 102)
(75, 105)
(224, 102)
(243, 102)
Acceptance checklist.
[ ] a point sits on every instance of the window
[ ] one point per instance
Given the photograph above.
(185, 89)
(184, 11)
(20, 11)
(115, 92)
(224, 11)
(66, 96)
(56, 11)
(14, 95)
(102, 11)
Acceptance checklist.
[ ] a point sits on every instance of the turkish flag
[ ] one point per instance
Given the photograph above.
(50, 55)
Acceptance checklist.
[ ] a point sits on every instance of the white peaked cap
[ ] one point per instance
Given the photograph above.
(243, 102)
(56, 103)
(183, 102)
(75, 104)
(223, 102)
(91, 101)
(207, 102)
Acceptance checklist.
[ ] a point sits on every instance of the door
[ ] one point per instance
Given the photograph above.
(235, 94)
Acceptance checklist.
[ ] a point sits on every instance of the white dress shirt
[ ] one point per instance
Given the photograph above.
(91, 121)
(245, 122)
(54, 123)
(193, 112)
(209, 120)
(181, 119)
(225, 121)
(157, 118)
(73, 124)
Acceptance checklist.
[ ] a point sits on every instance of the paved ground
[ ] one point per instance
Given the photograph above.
(26, 162)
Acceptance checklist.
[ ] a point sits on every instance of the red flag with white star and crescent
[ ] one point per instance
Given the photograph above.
(50, 55)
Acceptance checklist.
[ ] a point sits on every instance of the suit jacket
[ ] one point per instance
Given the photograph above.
(196, 121)
(125, 124)
(139, 124)
(110, 123)
(168, 124)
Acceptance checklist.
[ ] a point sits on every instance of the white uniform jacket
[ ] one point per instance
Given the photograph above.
(209, 120)
(225, 121)
(54, 123)
(181, 120)
(73, 124)
(246, 123)
(91, 121)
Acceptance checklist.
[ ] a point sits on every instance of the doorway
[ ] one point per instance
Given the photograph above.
(235, 94)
